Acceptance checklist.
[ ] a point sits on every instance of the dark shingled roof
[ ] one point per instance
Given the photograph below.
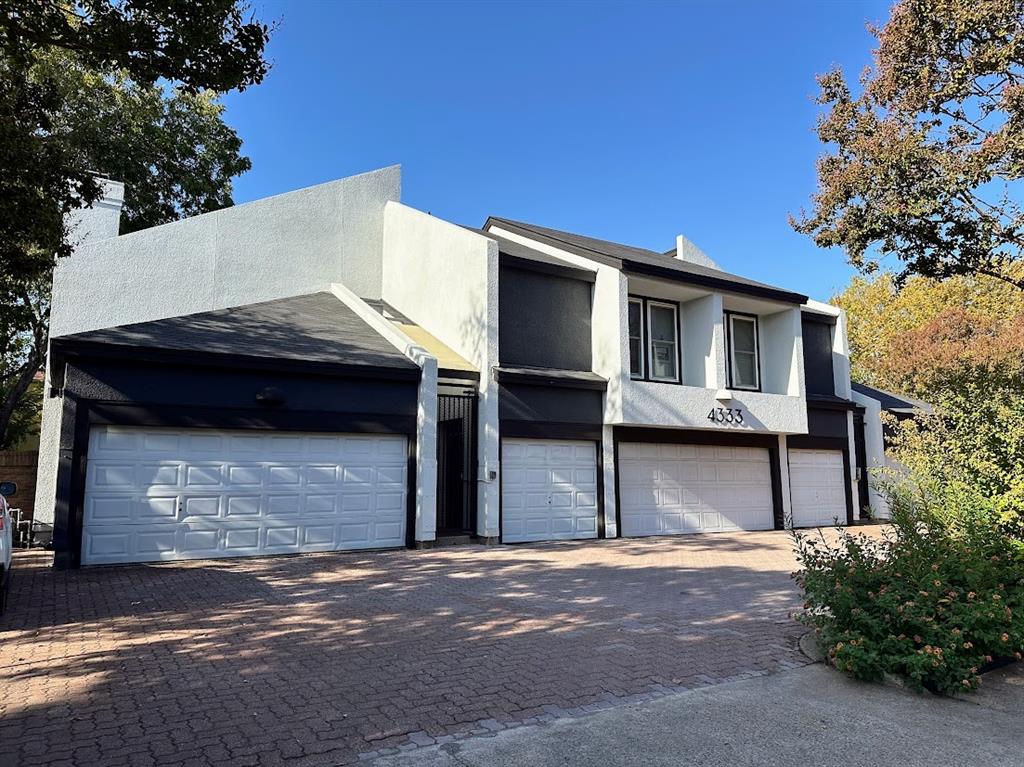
(317, 329)
(896, 403)
(643, 261)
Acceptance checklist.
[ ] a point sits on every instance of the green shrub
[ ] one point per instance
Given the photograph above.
(933, 600)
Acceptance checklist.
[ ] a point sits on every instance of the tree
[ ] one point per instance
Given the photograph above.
(122, 88)
(928, 158)
(912, 340)
(199, 43)
(959, 345)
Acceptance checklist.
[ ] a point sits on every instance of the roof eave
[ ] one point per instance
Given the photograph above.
(675, 275)
(714, 283)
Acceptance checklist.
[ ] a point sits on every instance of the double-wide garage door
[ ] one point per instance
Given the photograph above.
(666, 489)
(165, 494)
(548, 490)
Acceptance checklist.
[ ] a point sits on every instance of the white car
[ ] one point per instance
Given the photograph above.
(6, 546)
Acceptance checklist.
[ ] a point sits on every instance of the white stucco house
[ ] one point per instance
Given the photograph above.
(330, 369)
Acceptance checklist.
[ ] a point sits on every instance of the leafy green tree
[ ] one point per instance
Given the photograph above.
(199, 43)
(927, 158)
(119, 88)
(959, 345)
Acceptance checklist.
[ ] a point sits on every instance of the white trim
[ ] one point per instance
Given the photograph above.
(732, 354)
(675, 344)
(426, 410)
(629, 338)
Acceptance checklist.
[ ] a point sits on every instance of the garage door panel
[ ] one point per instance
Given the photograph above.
(817, 481)
(672, 489)
(202, 507)
(549, 490)
(230, 500)
(249, 475)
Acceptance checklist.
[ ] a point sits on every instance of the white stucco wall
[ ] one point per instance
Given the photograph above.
(287, 245)
(100, 221)
(445, 279)
(293, 243)
(782, 353)
(88, 225)
(426, 409)
(703, 342)
(785, 483)
(875, 449)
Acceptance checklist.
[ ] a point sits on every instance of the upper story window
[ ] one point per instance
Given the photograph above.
(744, 365)
(653, 340)
(636, 338)
(663, 329)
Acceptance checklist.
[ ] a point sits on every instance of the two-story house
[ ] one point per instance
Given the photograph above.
(330, 369)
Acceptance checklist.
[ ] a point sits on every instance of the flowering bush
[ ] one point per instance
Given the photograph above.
(933, 600)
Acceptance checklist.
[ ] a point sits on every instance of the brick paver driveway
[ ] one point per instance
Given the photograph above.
(315, 659)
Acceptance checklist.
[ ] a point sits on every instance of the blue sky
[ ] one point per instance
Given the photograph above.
(631, 122)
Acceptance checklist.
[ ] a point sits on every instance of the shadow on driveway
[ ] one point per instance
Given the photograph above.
(314, 659)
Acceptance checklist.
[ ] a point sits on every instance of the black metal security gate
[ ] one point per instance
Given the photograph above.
(861, 459)
(456, 463)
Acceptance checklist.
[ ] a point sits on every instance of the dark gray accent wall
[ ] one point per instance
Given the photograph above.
(189, 387)
(523, 402)
(826, 422)
(818, 371)
(543, 320)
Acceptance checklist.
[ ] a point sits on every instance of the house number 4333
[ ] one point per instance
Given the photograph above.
(726, 415)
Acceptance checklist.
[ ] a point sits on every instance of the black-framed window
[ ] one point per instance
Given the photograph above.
(636, 338)
(654, 340)
(743, 351)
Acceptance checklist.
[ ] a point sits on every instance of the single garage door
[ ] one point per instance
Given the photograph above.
(548, 490)
(671, 489)
(164, 494)
(817, 484)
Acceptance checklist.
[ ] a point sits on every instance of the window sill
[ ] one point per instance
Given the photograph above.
(655, 381)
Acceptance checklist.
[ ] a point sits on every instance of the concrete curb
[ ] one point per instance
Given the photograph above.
(809, 646)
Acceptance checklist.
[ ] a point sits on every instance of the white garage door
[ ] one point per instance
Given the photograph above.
(670, 489)
(548, 490)
(162, 494)
(817, 483)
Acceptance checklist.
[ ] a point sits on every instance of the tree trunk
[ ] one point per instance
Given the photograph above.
(17, 391)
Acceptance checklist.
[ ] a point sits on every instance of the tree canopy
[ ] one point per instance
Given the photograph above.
(959, 345)
(126, 89)
(198, 43)
(914, 339)
(926, 159)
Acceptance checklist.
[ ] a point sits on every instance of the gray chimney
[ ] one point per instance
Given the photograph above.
(687, 251)
(102, 220)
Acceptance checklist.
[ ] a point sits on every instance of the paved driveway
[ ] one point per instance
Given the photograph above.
(315, 659)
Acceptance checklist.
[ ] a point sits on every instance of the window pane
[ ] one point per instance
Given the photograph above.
(745, 370)
(743, 335)
(663, 324)
(635, 319)
(635, 357)
(663, 363)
